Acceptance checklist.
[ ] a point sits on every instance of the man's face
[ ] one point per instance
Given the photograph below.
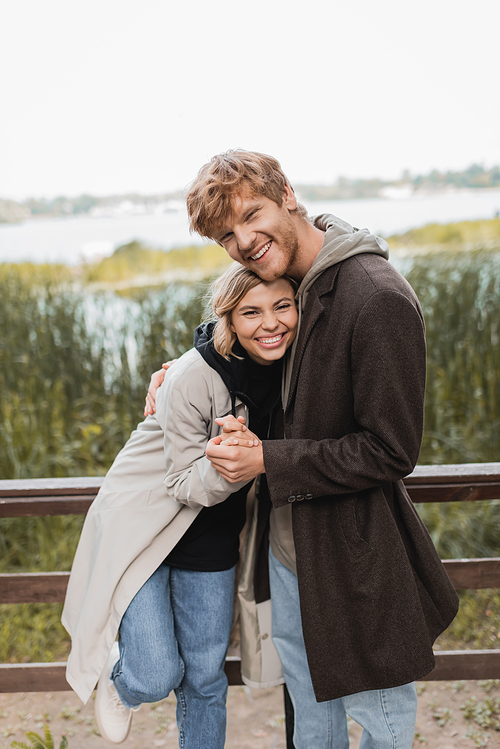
(262, 235)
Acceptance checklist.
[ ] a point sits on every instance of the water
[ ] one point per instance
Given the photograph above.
(388, 216)
(71, 240)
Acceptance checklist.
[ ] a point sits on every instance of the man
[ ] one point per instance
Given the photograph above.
(358, 592)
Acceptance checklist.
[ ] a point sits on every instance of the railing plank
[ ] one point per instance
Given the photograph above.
(50, 677)
(51, 487)
(457, 473)
(466, 492)
(33, 677)
(31, 506)
(455, 665)
(73, 496)
(473, 574)
(42, 497)
(43, 506)
(454, 483)
(50, 587)
(33, 587)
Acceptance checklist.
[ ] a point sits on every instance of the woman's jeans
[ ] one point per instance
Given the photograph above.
(386, 715)
(174, 635)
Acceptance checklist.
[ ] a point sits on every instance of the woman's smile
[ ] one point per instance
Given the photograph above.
(265, 321)
(270, 341)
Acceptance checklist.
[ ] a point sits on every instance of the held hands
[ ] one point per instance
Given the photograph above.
(235, 432)
(155, 382)
(229, 454)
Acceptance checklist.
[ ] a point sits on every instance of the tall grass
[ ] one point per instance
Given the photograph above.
(74, 367)
(484, 232)
(133, 259)
(69, 394)
(460, 296)
(72, 384)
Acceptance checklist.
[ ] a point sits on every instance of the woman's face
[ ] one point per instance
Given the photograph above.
(265, 320)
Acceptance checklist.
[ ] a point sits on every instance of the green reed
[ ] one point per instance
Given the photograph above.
(68, 394)
(460, 296)
(72, 384)
(74, 368)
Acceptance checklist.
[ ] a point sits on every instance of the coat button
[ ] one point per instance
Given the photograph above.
(300, 497)
(264, 636)
(291, 498)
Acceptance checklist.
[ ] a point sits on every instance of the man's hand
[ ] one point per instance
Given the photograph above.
(235, 432)
(155, 382)
(235, 463)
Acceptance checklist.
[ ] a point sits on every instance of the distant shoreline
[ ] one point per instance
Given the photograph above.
(73, 240)
(475, 178)
(130, 210)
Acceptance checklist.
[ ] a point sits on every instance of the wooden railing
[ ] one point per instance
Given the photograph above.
(35, 497)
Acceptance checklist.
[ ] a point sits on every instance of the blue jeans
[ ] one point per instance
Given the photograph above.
(174, 635)
(387, 715)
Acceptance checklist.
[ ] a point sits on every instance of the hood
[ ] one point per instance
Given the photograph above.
(341, 242)
(255, 385)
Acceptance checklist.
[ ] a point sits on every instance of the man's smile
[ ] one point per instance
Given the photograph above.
(261, 252)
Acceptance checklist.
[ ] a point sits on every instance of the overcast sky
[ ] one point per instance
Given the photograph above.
(113, 96)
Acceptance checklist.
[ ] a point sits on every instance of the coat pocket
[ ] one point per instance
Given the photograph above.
(346, 515)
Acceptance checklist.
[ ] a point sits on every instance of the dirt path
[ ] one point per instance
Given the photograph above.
(255, 719)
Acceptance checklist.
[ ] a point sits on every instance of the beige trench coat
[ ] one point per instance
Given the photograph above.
(155, 488)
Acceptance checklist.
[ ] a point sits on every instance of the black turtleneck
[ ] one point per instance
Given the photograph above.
(211, 543)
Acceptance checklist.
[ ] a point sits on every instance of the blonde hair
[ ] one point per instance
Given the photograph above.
(209, 199)
(225, 294)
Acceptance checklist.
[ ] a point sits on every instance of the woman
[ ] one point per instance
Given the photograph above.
(157, 555)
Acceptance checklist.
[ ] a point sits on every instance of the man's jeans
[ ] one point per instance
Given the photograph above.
(386, 715)
(174, 635)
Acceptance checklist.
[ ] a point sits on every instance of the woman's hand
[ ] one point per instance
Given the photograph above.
(235, 432)
(155, 382)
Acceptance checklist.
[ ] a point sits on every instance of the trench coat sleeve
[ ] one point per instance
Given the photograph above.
(186, 409)
(387, 360)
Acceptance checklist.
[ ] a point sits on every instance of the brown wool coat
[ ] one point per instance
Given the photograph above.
(374, 595)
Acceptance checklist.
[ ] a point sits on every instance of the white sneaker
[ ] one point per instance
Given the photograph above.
(113, 718)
